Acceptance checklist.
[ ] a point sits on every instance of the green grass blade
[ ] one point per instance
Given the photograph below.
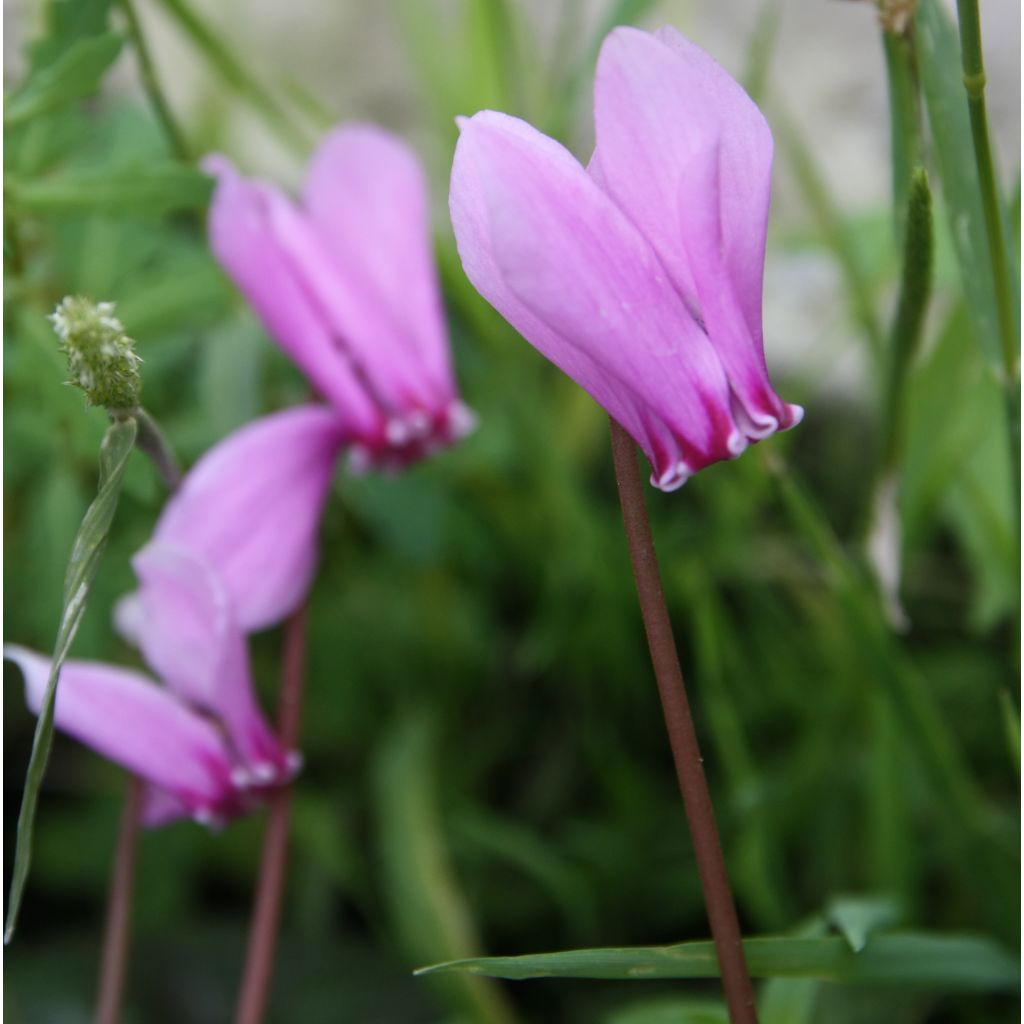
(938, 53)
(427, 903)
(82, 566)
(235, 72)
(944, 962)
(71, 77)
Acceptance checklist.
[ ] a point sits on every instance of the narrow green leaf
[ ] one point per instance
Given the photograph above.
(71, 77)
(150, 189)
(944, 962)
(858, 918)
(82, 566)
(427, 903)
(938, 52)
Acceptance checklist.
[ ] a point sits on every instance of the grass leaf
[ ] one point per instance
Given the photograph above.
(82, 566)
(946, 962)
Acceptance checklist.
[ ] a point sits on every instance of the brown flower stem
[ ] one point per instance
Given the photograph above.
(266, 915)
(725, 928)
(117, 928)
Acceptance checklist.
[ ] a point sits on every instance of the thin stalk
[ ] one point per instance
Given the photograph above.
(150, 82)
(152, 443)
(235, 71)
(117, 928)
(725, 928)
(266, 916)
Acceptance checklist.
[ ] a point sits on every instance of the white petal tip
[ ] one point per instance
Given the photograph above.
(672, 478)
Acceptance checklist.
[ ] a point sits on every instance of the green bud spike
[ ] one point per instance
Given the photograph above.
(101, 358)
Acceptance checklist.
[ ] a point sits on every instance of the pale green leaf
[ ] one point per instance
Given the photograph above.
(82, 566)
(945, 962)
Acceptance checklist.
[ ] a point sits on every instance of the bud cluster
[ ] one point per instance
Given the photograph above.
(101, 358)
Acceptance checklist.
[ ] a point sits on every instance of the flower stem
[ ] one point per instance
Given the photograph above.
(266, 915)
(700, 814)
(152, 443)
(117, 928)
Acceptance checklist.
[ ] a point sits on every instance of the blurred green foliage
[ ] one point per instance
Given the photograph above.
(486, 770)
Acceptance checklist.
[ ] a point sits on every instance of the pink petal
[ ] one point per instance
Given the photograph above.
(187, 633)
(245, 243)
(367, 196)
(250, 507)
(545, 246)
(130, 720)
(687, 155)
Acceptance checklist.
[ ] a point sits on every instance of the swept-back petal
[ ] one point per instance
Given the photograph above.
(558, 259)
(250, 507)
(188, 635)
(366, 194)
(687, 155)
(244, 240)
(134, 722)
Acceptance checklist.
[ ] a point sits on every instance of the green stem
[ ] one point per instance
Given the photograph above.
(236, 73)
(151, 83)
(974, 83)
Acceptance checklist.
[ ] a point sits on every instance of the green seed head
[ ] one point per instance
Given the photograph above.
(101, 357)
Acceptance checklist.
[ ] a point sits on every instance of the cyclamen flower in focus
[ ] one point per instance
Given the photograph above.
(641, 275)
(234, 550)
(345, 283)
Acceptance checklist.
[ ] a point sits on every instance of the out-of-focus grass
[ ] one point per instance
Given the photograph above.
(488, 592)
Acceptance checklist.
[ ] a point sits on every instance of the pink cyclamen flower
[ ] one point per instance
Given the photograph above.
(345, 283)
(147, 729)
(641, 275)
(234, 550)
(250, 510)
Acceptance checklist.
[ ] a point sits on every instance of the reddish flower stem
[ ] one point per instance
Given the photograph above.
(266, 915)
(714, 880)
(117, 927)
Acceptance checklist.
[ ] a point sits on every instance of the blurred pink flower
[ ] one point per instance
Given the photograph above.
(122, 714)
(345, 283)
(641, 276)
(250, 509)
(233, 551)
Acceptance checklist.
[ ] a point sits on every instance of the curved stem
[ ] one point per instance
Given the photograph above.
(117, 928)
(150, 82)
(266, 915)
(721, 910)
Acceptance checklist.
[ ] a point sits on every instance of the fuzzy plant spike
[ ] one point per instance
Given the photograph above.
(102, 360)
